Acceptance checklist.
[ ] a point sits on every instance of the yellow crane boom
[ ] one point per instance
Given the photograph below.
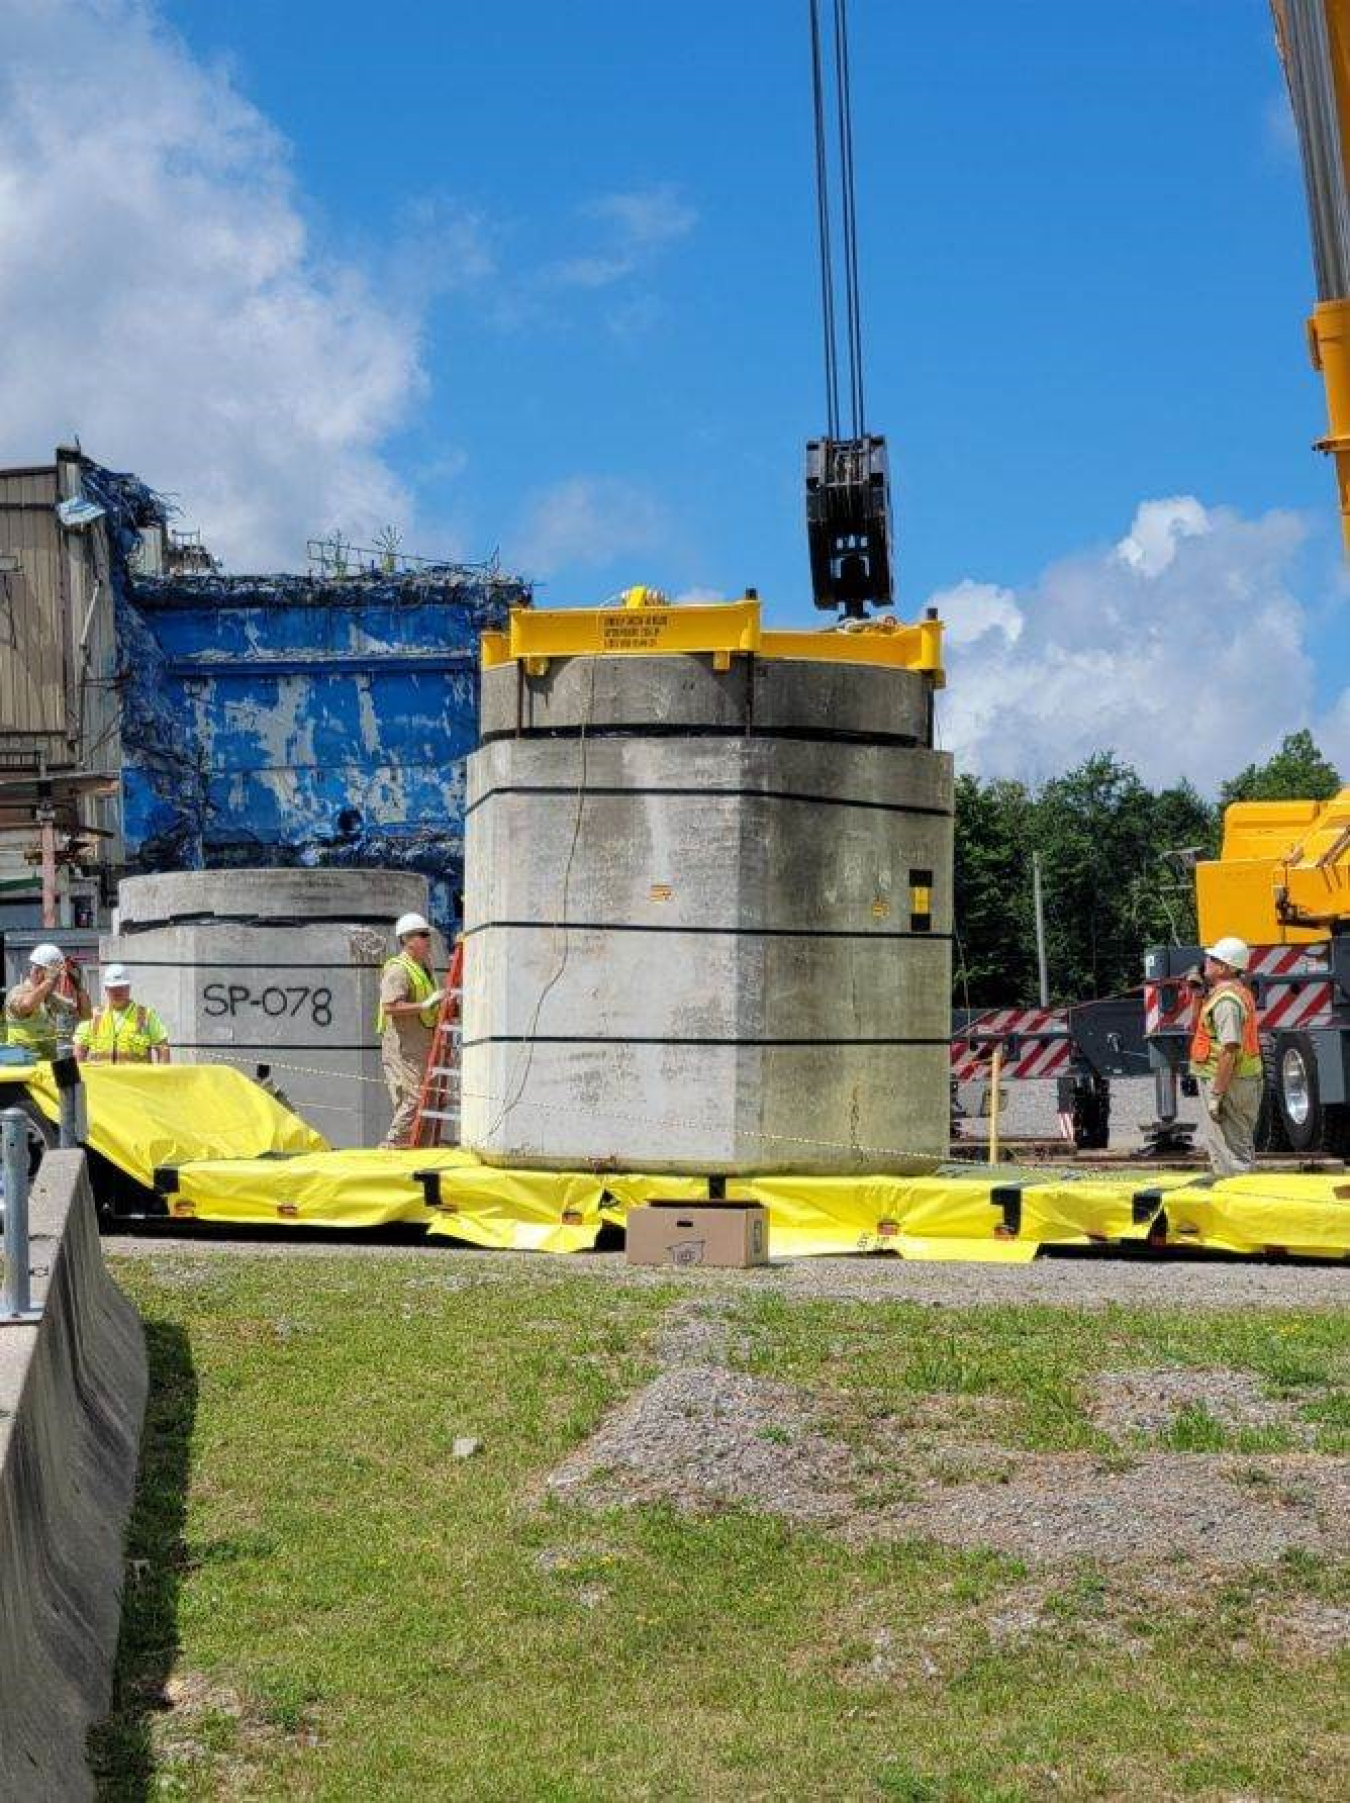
(1283, 876)
(1314, 42)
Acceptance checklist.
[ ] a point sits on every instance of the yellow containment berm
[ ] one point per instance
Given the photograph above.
(214, 1147)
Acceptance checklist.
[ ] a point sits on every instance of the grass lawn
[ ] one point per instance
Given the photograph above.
(324, 1601)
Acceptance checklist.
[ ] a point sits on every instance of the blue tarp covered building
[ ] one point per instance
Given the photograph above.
(298, 719)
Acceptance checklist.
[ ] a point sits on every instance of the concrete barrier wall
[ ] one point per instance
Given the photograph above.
(72, 1398)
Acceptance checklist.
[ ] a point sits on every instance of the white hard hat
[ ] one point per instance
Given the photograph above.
(47, 957)
(116, 976)
(1236, 953)
(410, 923)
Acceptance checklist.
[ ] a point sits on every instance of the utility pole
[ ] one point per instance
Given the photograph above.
(1038, 903)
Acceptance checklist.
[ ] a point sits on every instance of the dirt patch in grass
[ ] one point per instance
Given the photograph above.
(1056, 1506)
(1102, 1608)
(1154, 1402)
(1307, 1629)
(701, 1435)
(225, 1739)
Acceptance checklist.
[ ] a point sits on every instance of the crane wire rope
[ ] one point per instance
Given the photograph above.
(826, 232)
(853, 303)
(848, 221)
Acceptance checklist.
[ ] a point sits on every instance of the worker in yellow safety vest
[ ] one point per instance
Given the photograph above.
(122, 1031)
(1226, 1058)
(409, 1000)
(41, 1012)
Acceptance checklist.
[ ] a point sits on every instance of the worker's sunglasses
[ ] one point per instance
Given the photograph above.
(421, 935)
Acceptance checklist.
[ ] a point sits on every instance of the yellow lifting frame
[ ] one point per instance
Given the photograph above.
(723, 629)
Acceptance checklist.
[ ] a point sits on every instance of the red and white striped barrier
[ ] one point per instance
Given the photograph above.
(1042, 1048)
(1167, 1007)
(1295, 991)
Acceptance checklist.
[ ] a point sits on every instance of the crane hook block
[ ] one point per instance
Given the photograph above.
(848, 523)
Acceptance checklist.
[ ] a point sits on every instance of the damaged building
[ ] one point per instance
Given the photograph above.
(156, 714)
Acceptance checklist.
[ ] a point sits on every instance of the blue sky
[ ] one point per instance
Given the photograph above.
(543, 277)
(1085, 259)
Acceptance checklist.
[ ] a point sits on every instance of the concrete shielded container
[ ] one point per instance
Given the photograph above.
(708, 917)
(275, 967)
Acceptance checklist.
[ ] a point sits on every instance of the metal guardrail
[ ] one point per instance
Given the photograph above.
(16, 1292)
(16, 1286)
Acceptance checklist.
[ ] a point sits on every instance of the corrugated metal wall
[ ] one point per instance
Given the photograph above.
(59, 703)
(33, 617)
(58, 649)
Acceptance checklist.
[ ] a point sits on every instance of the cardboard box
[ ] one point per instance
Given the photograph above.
(724, 1234)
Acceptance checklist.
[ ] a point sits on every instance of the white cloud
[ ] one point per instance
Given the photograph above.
(633, 228)
(1183, 649)
(1159, 526)
(972, 610)
(160, 295)
(586, 522)
(1333, 734)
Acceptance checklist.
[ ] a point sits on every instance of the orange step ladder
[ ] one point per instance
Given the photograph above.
(436, 1122)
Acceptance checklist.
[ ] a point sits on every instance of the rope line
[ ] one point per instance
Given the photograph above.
(491, 1099)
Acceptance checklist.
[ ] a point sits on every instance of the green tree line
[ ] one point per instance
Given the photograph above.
(1115, 865)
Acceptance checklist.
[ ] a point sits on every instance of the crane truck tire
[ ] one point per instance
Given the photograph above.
(1089, 1104)
(1270, 1131)
(1310, 1124)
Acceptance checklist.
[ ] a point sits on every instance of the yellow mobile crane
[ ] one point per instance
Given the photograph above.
(1282, 878)
(1282, 883)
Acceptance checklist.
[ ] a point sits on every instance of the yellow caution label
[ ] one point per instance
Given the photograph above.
(880, 908)
(920, 900)
(661, 892)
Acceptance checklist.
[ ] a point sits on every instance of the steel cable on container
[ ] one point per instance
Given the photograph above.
(910, 1154)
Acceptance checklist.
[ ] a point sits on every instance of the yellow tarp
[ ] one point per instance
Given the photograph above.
(319, 1189)
(145, 1115)
(241, 1157)
(537, 1211)
(917, 1217)
(1276, 1212)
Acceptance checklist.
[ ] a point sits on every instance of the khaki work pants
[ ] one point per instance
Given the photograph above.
(1231, 1140)
(404, 1078)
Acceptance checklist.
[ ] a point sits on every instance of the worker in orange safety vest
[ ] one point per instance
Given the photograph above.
(1226, 1059)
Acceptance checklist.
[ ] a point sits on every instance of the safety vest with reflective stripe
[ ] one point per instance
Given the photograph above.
(36, 1032)
(422, 984)
(1204, 1051)
(122, 1036)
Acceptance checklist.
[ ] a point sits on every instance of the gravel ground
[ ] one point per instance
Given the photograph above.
(1031, 1110)
(701, 1435)
(1090, 1280)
